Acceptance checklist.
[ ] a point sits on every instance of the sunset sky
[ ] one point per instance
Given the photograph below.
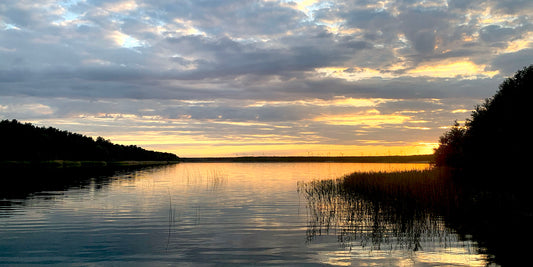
(244, 77)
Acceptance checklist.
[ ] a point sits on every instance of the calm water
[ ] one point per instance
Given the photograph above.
(206, 214)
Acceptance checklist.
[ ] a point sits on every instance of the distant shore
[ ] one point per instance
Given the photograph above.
(347, 159)
(245, 159)
(80, 164)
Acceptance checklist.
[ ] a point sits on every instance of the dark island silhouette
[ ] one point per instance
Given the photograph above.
(24, 142)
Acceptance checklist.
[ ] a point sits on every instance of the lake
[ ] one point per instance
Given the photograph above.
(208, 214)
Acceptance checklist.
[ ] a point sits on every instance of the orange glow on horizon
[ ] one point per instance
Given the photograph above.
(186, 137)
(322, 150)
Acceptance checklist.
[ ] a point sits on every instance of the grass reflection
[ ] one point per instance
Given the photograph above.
(378, 210)
(410, 209)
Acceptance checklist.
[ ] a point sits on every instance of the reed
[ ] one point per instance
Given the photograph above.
(404, 209)
(372, 209)
(428, 189)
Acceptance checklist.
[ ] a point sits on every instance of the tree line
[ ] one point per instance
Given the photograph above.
(498, 134)
(24, 141)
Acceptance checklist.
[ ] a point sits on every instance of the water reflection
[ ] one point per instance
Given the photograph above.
(420, 211)
(23, 185)
(216, 214)
(373, 225)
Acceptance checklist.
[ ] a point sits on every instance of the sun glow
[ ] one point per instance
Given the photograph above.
(520, 44)
(465, 69)
(196, 144)
(322, 150)
(371, 118)
(445, 69)
(332, 132)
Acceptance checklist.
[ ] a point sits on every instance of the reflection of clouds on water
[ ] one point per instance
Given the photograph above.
(213, 178)
(460, 255)
(204, 214)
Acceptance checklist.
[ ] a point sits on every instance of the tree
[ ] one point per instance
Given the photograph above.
(450, 148)
(498, 134)
(28, 142)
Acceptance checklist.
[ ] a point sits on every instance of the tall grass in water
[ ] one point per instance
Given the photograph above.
(399, 210)
(404, 209)
(427, 190)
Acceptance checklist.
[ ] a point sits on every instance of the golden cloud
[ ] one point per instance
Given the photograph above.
(371, 118)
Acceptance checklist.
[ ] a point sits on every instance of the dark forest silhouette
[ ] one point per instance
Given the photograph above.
(26, 142)
(497, 137)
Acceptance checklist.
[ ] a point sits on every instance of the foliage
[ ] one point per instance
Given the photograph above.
(497, 134)
(450, 150)
(28, 142)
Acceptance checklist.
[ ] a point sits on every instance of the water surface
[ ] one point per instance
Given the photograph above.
(204, 214)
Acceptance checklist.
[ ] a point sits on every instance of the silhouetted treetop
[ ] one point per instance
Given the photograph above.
(28, 142)
(498, 134)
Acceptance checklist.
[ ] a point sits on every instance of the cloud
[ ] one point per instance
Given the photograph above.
(220, 70)
(509, 63)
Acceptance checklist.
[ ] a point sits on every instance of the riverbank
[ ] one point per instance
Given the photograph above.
(347, 159)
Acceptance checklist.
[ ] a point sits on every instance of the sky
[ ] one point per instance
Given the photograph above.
(259, 78)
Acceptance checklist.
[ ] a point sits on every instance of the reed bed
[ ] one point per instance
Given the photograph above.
(442, 206)
(374, 209)
(432, 189)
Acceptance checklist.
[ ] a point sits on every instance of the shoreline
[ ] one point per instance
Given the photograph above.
(67, 164)
(341, 159)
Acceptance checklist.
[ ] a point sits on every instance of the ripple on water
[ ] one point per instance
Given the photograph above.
(188, 213)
